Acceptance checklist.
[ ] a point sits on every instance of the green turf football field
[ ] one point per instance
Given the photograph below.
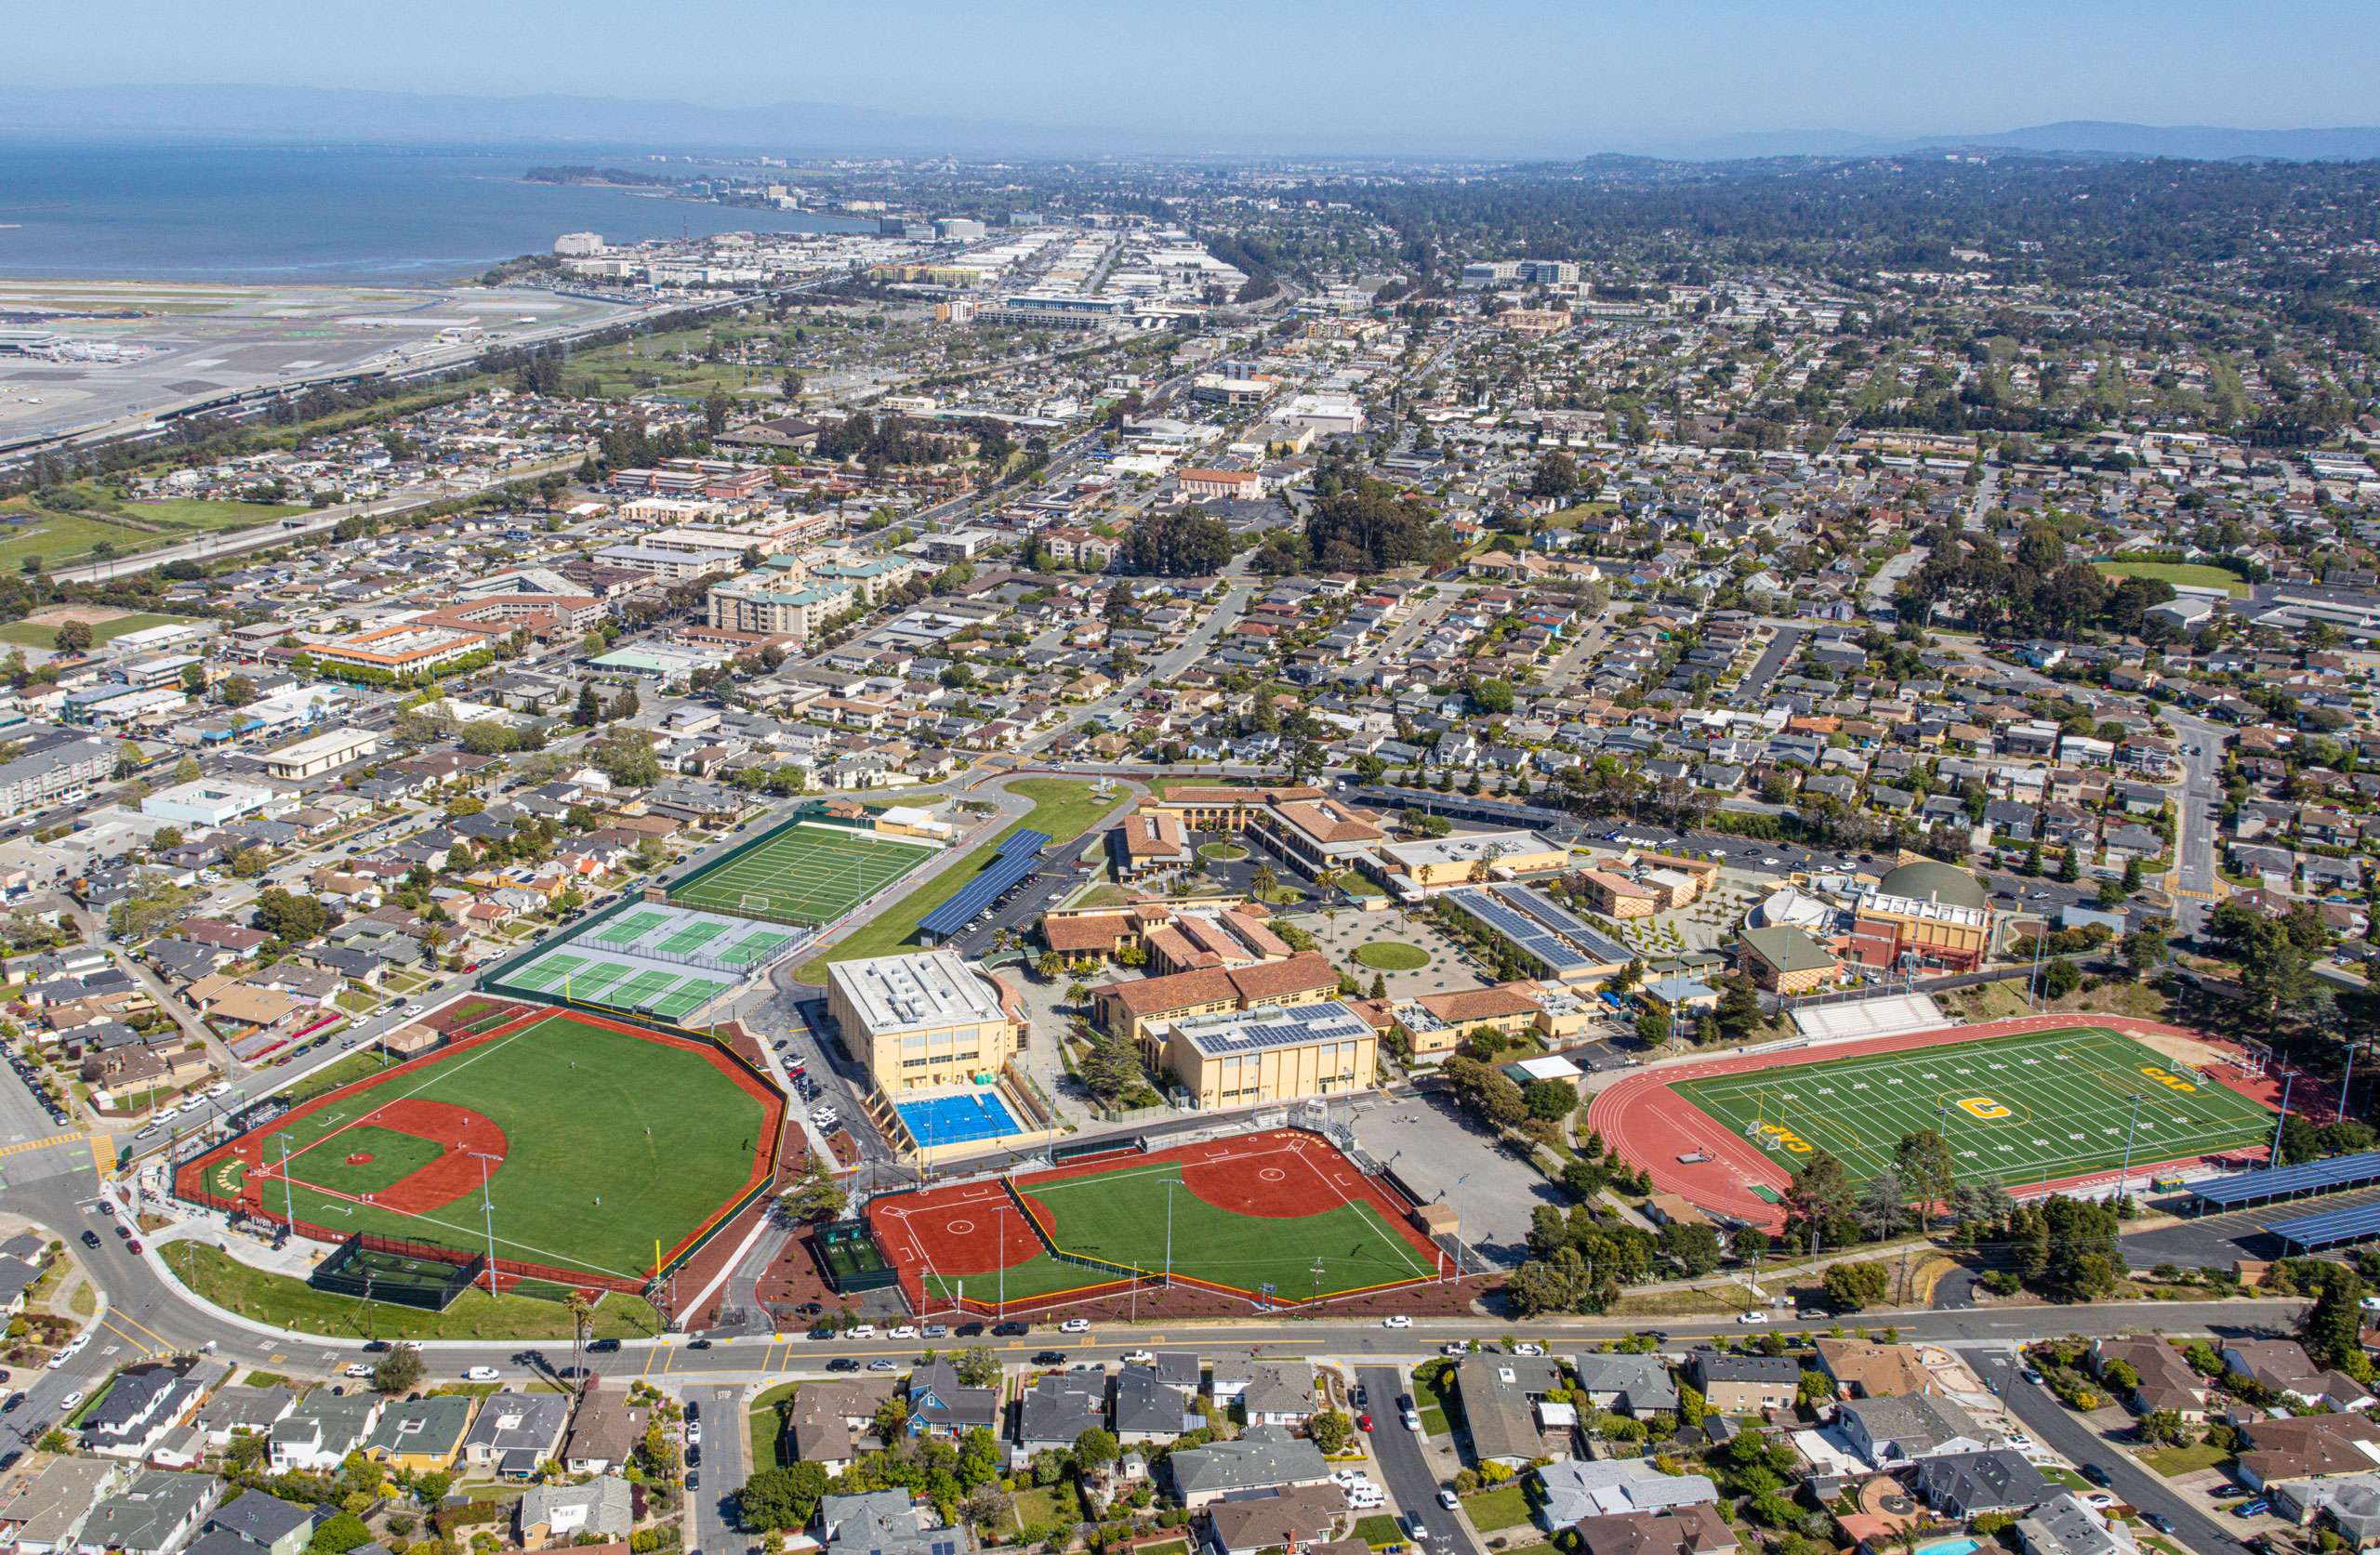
(808, 875)
(658, 1133)
(1121, 1217)
(2029, 1108)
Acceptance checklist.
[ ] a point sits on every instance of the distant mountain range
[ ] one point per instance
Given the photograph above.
(317, 114)
(2070, 137)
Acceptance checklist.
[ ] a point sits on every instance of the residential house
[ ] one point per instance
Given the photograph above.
(551, 1515)
(604, 1433)
(1690, 1530)
(1745, 1384)
(43, 1512)
(1279, 1393)
(1966, 1484)
(155, 1513)
(2166, 1381)
(2065, 1525)
(1262, 1457)
(1293, 1516)
(1503, 1405)
(317, 1435)
(1890, 1431)
(1574, 1489)
(267, 1524)
(421, 1436)
(885, 1522)
(1631, 1385)
(1148, 1407)
(515, 1432)
(941, 1405)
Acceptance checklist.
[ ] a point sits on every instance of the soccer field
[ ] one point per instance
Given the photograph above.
(806, 874)
(602, 1141)
(2030, 1107)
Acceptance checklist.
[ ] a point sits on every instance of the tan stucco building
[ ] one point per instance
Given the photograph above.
(1259, 1056)
(924, 1020)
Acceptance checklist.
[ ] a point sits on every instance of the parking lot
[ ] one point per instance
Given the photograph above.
(1440, 1153)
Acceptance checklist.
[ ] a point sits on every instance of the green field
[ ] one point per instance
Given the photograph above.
(1066, 807)
(59, 538)
(287, 1302)
(395, 1158)
(2192, 575)
(1121, 1217)
(658, 1133)
(1391, 956)
(44, 633)
(2029, 1108)
(806, 874)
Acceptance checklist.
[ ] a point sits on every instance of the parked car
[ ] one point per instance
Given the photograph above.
(1396, 1322)
(1751, 1319)
(1049, 1358)
(1412, 1420)
(1363, 1422)
(480, 1374)
(1447, 1499)
(1075, 1325)
(2096, 1475)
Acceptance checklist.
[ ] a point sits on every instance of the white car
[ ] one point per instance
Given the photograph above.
(905, 1331)
(2098, 1499)
(1396, 1323)
(1075, 1325)
(860, 1331)
(694, 1433)
(70, 1400)
(1456, 1348)
(356, 1368)
(480, 1374)
(1447, 1499)
(1140, 1358)
(1413, 1419)
(1751, 1320)
(1526, 1348)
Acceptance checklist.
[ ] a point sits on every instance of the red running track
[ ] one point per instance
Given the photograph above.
(1651, 1124)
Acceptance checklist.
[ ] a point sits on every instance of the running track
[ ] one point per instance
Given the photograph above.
(1651, 1124)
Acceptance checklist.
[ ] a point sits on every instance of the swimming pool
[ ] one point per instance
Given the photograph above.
(959, 1118)
(1950, 1546)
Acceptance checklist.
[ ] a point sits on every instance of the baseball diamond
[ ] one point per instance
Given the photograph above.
(598, 1140)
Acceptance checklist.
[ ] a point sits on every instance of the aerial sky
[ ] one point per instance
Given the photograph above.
(1325, 75)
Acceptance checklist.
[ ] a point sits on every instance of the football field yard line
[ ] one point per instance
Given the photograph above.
(2061, 1084)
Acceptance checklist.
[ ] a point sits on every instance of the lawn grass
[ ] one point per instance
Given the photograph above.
(1505, 1507)
(59, 537)
(354, 1066)
(44, 633)
(809, 873)
(1045, 1506)
(765, 1430)
(1380, 1530)
(2175, 1461)
(290, 1303)
(1066, 807)
(2194, 574)
(1433, 1402)
(612, 1140)
(1391, 956)
(1221, 852)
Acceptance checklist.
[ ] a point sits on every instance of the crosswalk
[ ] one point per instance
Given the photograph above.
(21, 1146)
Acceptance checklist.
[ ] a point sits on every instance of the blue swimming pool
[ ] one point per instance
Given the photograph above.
(1950, 1546)
(959, 1118)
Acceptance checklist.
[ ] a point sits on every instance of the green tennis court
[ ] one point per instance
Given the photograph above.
(692, 938)
(630, 927)
(752, 947)
(548, 971)
(636, 990)
(806, 874)
(687, 997)
(2035, 1107)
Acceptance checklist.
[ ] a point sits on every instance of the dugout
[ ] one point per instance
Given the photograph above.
(850, 1257)
(404, 1274)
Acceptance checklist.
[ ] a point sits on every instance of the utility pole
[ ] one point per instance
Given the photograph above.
(487, 1211)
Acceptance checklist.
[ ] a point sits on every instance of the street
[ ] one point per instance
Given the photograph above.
(1403, 1467)
(723, 1472)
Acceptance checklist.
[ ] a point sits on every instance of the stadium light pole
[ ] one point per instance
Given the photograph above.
(2124, 1178)
(288, 1195)
(2273, 1156)
(487, 1210)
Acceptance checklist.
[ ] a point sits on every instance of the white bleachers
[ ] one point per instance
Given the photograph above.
(1882, 1016)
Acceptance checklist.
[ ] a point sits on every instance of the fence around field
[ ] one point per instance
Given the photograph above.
(1124, 1278)
(810, 812)
(339, 1275)
(770, 1160)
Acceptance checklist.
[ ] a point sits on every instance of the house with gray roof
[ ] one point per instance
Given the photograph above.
(558, 1514)
(267, 1524)
(514, 1433)
(1899, 1430)
(1574, 1489)
(1278, 1393)
(2065, 1525)
(243, 1412)
(1057, 1408)
(155, 1513)
(1262, 1457)
(1501, 1395)
(1631, 1385)
(885, 1522)
(1966, 1484)
(321, 1431)
(1147, 1408)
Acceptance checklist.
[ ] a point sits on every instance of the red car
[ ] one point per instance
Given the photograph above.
(133, 1246)
(1363, 1422)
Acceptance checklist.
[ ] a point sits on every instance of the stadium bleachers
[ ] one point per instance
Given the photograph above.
(1887, 1016)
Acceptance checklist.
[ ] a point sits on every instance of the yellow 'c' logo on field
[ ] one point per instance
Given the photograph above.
(1984, 1107)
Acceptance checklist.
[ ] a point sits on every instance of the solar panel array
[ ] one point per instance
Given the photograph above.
(1534, 938)
(2330, 1228)
(1569, 925)
(1013, 864)
(2339, 1171)
(1249, 1031)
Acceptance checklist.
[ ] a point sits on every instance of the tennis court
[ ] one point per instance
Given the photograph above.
(2035, 1107)
(809, 873)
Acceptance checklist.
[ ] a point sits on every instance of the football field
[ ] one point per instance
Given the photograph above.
(807, 874)
(2030, 1107)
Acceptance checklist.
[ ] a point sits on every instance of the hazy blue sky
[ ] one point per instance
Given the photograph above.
(1350, 74)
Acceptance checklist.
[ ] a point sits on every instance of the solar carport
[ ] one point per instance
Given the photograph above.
(2311, 1233)
(1018, 856)
(2283, 1182)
